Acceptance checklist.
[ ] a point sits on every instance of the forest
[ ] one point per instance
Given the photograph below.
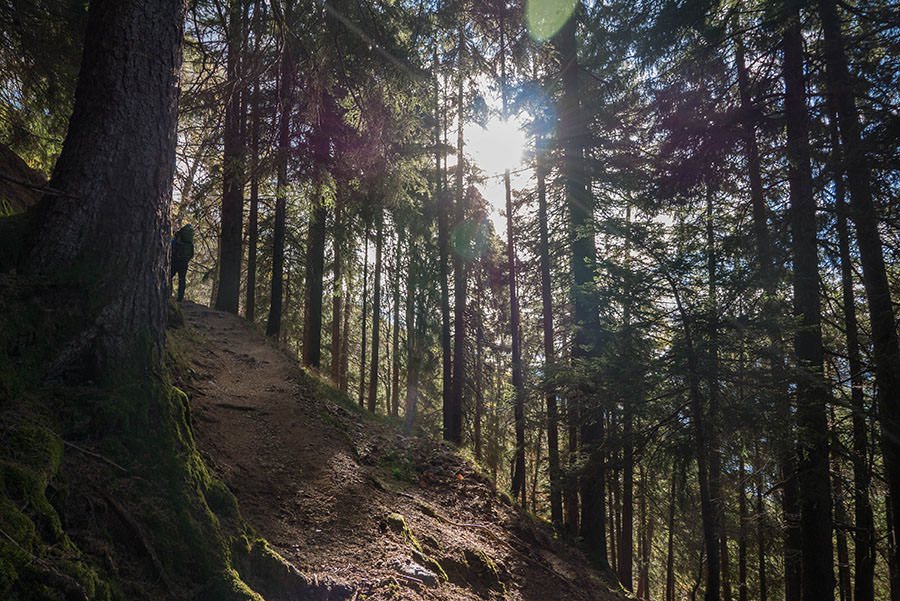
(636, 260)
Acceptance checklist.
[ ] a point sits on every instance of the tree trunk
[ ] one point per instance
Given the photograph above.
(315, 271)
(646, 538)
(811, 393)
(253, 224)
(893, 564)
(864, 528)
(769, 277)
(337, 294)
(886, 353)
(273, 326)
(670, 544)
(707, 509)
(413, 360)
(570, 477)
(395, 380)
(712, 419)
(536, 471)
(841, 523)
(517, 486)
(116, 169)
(556, 516)
(457, 384)
(232, 171)
(583, 258)
(479, 366)
(444, 249)
(614, 527)
(376, 313)
(760, 526)
(626, 562)
(315, 243)
(626, 538)
(345, 333)
(742, 528)
(362, 356)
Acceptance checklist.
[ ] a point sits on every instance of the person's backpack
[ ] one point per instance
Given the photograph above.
(183, 245)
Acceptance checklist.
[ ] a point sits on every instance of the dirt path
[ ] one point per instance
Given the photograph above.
(319, 482)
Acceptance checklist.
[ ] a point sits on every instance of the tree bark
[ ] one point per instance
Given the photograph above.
(253, 220)
(886, 353)
(444, 250)
(583, 255)
(812, 396)
(864, 528)
(556, 515)
(707, 509)
(627, 539)
(395, 339)
(413, 360)
(345, 333)
(479, 367)
(315, 243)
(362, 356)
(517, 487)
(742, 528)
(712, 418)
(670, 544)
(116, 169)
(760, 526)
(273, 326)
(232, 171)
(457, 384)
(769, 276)
(337, 294)
(376, 313)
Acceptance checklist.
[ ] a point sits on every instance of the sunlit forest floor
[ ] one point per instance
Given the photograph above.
(347, 499)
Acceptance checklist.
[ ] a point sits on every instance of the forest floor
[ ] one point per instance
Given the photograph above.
(347, 499)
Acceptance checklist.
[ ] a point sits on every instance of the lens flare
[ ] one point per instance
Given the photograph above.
(469, 239)
(545, 17)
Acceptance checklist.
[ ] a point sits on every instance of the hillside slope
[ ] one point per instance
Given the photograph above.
(348, 500)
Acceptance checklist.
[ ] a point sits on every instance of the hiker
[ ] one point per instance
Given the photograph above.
(182, 251)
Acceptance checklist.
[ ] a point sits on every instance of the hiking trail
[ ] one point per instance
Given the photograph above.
(347, 499)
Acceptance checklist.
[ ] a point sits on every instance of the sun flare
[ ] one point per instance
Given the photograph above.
(498, 146)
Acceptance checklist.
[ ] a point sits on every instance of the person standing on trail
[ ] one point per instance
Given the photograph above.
(182, 251)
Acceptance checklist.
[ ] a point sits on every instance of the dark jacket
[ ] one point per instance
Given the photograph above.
(183, 246)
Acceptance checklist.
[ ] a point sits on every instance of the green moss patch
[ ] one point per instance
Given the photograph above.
(37, 558)
(397, 524)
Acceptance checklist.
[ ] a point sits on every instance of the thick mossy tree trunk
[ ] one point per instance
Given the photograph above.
(109, 234)
(100, 254)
